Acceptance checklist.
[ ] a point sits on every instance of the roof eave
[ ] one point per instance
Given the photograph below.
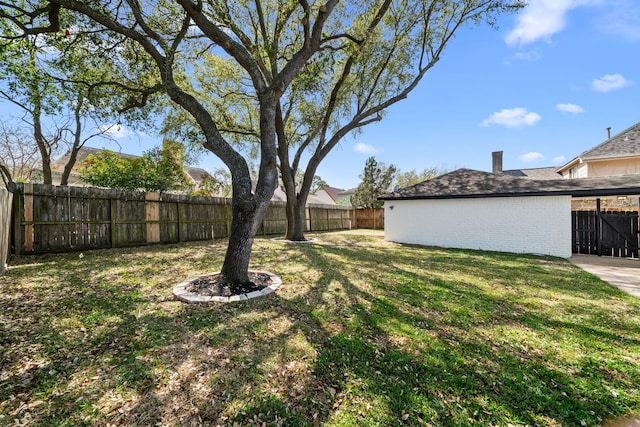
(569, 192)
(573, 162)
(605, 159)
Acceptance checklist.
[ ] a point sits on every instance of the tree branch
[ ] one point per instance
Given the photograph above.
(52, 11)
(239, 52)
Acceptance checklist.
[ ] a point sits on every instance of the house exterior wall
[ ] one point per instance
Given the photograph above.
(579, 170)
(614, 167)
(538, 225)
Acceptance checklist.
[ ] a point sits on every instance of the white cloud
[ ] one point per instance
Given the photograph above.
(609, 82)
(512, 118)
(570, 108)
(541, 19)
(115, 130)
(559, 160)
(531, 157)
(365, 148)
(530, 56)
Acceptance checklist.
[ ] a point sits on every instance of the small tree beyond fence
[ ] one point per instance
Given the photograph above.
(5, 227)
(64, 218)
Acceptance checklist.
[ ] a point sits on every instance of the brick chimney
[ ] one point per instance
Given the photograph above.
(497, 162)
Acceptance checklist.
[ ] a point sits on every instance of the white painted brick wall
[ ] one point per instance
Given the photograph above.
(537, 225)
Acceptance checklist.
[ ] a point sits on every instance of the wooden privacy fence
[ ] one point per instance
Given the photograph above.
(64, 218)
(5, 227)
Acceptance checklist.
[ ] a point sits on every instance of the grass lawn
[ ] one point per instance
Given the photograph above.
(363, 332)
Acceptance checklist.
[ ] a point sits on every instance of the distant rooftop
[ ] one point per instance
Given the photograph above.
(332, 191)
(468, 183)
(624, 144)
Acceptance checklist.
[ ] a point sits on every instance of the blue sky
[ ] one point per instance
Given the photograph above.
(543, 88)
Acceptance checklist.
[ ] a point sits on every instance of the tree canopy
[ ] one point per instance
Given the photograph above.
(377, 179)
(374, 55)
(65, 87)
(412, 177)
(283, 81)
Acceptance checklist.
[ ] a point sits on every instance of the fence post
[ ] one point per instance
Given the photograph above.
(28, 217)
(5, 222)
(152, 214)
(17, 220)
(112, 219)
(328, 221)
(227, 215)
(179, 221)
(598, 224)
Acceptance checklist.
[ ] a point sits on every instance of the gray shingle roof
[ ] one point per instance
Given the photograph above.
(536, 173)
(468, 183)
(624, 144)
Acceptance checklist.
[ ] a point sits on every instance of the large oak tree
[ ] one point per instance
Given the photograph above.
(374, 56)
(288, 79)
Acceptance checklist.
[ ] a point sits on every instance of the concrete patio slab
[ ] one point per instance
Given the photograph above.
(624, 273)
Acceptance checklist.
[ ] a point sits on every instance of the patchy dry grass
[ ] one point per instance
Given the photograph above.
(363, 332)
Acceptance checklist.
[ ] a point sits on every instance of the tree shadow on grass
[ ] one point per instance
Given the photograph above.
(371, 341)
(454, 378)
(527, 384)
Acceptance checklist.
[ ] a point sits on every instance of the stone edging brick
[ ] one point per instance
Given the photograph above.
(181, 293)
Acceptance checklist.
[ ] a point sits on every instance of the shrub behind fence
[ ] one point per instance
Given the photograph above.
(65, 218)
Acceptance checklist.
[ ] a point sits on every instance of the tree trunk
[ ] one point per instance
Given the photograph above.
(46, 167)
(77, 143)
(246, 218)
(296, 202)
(64, 179)
(73, 157)
(296, 218)
(43, 145)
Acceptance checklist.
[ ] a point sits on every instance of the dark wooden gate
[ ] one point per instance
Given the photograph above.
(605, 233)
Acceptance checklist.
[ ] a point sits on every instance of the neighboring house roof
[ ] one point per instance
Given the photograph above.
(536, 173)
(468, 183)
(332, 191)
(624, 144)
(82, 154)
(197, 174)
